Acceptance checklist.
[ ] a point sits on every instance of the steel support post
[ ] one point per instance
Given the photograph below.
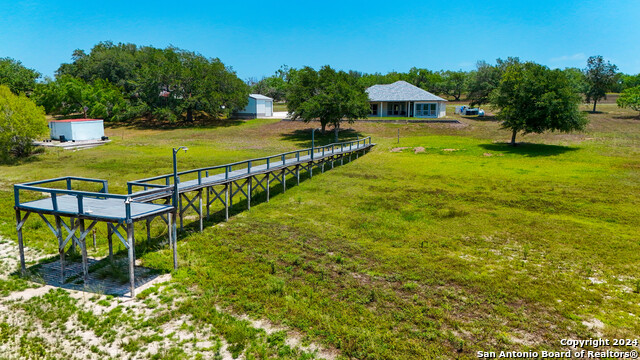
(174, 230)
(249, 181)
(132, 280)
(60, 247)
(284, 181)
(173, 240)
(19, 223)
(268, 186)
(226, 202)
(180, 211)
(110, 241)
(83, 250)
(200, 213)
(208, 191)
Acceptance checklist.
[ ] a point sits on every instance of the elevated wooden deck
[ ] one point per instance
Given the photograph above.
(120, 211)
(94, 208)
(248, 168)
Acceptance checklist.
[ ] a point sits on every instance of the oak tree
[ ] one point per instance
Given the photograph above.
(328, 96)
(531, 98)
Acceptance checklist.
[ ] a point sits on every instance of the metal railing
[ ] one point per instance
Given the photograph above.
(244, 168)
(80, 195)
(151, 191)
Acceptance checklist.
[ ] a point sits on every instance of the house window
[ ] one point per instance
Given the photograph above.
(374, 109)
(426, 109)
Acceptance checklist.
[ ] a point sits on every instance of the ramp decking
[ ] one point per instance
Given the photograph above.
(201, 188)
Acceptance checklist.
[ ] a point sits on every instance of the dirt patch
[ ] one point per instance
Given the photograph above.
(294, 339)
(78, 340)
(419, 149)
(9, 256)
(398, 149)
(594, 325)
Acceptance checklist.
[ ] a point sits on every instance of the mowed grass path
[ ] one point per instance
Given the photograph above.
(470, 245)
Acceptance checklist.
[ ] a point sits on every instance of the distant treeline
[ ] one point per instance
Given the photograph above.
(123, 82)
(473, 85)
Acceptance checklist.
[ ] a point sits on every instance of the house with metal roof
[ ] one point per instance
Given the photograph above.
(404, 99)
(258, 106)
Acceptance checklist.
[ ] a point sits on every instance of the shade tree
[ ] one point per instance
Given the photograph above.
(600, 76)
(531, 98)
(329, 96)
(17, 77)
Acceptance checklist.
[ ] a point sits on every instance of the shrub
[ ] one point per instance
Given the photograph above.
(630, 98)
(21, 121)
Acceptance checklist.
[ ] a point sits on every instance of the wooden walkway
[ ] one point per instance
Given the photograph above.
(199, 190)
(223, 182)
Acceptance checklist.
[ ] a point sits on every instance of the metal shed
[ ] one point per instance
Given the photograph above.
(77, 129)
(259, 106)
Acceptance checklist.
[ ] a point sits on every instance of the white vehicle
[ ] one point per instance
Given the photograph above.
(465, 110)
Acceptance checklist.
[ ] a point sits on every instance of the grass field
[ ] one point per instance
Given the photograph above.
(279, 106)
(445, 244)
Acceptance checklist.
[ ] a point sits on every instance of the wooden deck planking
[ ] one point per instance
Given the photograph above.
(114, 209)
(191, 185)
(102, 209)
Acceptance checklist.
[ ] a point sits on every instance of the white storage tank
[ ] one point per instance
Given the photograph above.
(77, 129)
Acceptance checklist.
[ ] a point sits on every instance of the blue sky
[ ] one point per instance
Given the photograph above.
(257, 37)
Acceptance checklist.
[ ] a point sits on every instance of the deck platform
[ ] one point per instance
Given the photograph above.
(112, 210)
(259, 166)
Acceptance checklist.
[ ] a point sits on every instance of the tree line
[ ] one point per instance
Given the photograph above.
(598, 78)
(123, 82)
(115, 82)
(529, 97)
(126, 82)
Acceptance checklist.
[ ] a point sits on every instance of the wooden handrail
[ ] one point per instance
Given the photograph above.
(282, 158)
(167, 188)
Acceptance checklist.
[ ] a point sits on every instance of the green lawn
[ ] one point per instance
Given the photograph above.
(469, 245)
(279, 106)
